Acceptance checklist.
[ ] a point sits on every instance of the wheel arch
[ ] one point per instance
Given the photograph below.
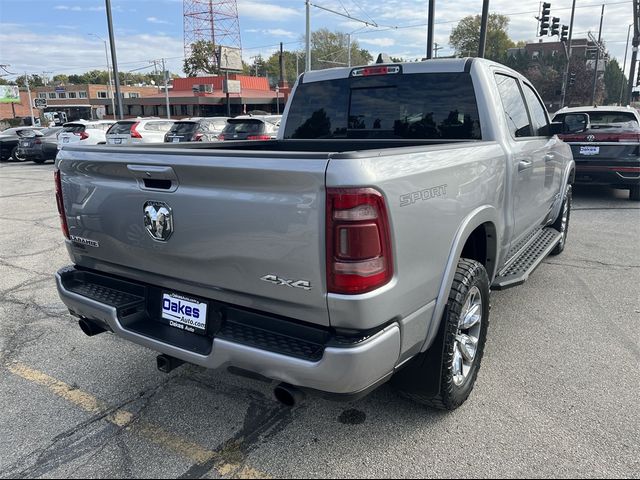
(477, 236)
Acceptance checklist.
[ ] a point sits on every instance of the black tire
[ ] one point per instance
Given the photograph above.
(16, 156)
(560, 225)
(417, 380)
(634, 193)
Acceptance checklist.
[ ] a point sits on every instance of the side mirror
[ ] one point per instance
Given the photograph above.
(555, 128)
(575, 123)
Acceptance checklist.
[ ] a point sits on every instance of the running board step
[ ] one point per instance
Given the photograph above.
(517, 271)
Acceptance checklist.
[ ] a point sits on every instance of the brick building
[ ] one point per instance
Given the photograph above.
(15, 110)
(204, 97)
(85, 101)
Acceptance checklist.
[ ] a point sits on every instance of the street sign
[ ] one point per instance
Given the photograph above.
(40, 102)
(231, 86)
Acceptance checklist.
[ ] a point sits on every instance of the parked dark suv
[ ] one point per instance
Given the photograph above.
(251, 128)
(196, 130)
(607, 148)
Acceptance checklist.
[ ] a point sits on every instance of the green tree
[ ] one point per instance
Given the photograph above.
(580, 92)
(61, 78)
(614, 79)
(465, 37)
(34, 81)
(330, 49)
(201, 60)
(272, 66)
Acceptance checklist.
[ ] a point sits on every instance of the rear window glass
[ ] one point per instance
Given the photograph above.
(244, 126)
(73, 128)
(158, 126)
(604, 117)
(120, 128)
(182, 128)
(396, 106)
(50, 131)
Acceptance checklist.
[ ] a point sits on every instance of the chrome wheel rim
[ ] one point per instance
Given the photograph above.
(465, 346)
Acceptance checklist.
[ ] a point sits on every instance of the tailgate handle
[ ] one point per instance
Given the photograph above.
(154, 177)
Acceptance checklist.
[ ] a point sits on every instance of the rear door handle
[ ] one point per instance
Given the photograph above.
(524, 164)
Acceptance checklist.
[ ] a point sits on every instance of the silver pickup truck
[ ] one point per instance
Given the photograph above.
(358, 247)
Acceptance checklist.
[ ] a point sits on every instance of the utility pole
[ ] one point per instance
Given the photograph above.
(430, 25)
(483, 28)
(624, 65)
(106, 56)
(435, 49)
(566, 70)
(595, 69)
(165, 74)
(635, 43)
(26, 80)
(348, 49)
(308, 39)
(114, 60)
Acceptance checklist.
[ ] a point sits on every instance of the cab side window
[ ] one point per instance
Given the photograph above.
(514, 106)
(538, 112)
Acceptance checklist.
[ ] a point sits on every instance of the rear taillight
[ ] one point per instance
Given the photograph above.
(221, 137)
(258, 137)
(358, 241)
(82, 135)
(134, 132)
(629, 137)
(197, 137)
(38, 141)
(60, 203)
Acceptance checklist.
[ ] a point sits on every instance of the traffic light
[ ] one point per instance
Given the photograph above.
(572, 78)
(564, 34)
(555, 26)
(544, 19)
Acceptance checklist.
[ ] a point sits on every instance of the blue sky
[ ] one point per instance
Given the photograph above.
(52, 36)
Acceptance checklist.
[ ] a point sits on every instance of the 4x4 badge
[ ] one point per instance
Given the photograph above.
(305, 285)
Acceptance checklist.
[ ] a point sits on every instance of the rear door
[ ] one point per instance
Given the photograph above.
(244, 228)
(528, 159)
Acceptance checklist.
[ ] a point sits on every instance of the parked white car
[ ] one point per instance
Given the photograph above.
(84, 132)
(138, 130)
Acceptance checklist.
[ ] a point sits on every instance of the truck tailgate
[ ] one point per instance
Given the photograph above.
(247, 228)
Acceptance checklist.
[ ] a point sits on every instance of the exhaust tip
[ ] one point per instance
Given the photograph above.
(288, 395)
(90, 328)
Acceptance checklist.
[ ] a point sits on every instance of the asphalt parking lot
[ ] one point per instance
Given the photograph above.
(558, 394)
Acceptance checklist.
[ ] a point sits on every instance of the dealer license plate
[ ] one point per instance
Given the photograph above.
(185, 313)
(176, 140)
(589, 150)
(25, 144)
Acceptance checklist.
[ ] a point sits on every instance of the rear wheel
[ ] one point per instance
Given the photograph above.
(16, 155)
(634, 193)
(463, 336)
